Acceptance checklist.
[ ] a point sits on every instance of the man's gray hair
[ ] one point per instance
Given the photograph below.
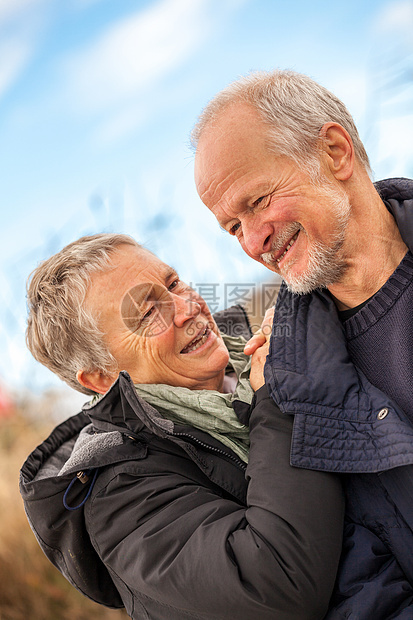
(293, 106)
(61, 333)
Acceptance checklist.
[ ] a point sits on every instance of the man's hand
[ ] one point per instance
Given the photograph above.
(262, 335)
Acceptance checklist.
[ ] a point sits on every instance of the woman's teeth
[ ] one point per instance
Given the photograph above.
(195, 344)
(288, 247)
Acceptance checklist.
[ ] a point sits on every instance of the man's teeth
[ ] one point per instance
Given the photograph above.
(195, 344)
(288, 247)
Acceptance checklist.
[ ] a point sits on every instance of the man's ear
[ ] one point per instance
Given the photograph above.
(338, 150)
(95, 380)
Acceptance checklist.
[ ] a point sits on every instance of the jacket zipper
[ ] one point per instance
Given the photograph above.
(213, 449)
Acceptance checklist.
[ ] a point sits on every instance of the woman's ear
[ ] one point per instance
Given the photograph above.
(95, 380)
(338, 150)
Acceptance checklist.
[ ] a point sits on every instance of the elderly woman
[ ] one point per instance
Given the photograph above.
(158, 497)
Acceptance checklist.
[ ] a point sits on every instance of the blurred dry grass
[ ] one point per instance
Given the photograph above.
(30, 586)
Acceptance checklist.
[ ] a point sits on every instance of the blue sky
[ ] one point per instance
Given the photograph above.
(97, 100)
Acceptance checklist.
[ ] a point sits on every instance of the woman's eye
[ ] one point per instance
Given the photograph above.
(148, 314)
(234, 228)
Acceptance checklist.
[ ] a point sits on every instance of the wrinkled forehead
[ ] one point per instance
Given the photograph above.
(228, 145)
(128, 268)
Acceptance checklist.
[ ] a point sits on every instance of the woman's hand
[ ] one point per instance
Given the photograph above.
(258, 359)
(262, 335)
(258, 348)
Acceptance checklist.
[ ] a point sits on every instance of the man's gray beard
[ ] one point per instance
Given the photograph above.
(325, 266)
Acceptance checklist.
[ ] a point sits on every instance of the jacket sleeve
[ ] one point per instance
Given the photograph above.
(194, 551)
(372, 584)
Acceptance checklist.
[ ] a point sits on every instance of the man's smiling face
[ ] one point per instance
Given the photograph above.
(281, 218)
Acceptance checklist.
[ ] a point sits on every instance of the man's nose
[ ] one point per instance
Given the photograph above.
(185, 309)
(257, 237)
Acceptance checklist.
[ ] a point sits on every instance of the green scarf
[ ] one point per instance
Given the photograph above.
(209, 410)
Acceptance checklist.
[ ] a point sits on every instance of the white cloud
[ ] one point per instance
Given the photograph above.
(12, 8)
(394, 150)
(122, 123)
(351, 88)
(396, 18)
(391, 100)
(21, 24)
(136, 52)
(15, 55)
(83, 4)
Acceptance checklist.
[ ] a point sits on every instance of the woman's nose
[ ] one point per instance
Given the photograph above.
(185, 308)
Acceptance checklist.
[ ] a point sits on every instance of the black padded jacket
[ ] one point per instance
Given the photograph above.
(170, 524)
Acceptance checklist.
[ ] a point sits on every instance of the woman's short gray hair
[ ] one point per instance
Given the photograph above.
(293, 106)
(61, 333)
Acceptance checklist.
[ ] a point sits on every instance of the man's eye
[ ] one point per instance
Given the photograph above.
(234, 228)
(174, 284)
(258, 201)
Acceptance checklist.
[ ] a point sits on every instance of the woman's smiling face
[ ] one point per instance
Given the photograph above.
(157, 328)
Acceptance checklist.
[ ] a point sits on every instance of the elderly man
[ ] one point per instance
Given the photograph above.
(280, 164)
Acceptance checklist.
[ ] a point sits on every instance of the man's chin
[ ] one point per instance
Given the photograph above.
(309, 282)
(271, 265)
(300, 288)
(301, 283)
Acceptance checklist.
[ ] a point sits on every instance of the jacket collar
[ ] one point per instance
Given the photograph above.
(121, 407)
(397, 195)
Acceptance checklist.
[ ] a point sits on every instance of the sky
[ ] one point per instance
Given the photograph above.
(97, 101)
